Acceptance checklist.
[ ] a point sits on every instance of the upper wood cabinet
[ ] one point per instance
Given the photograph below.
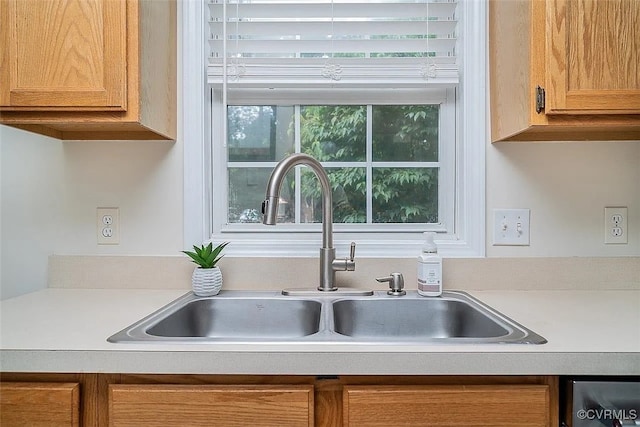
(564, 69)
(89, 69)
(69, 56)
(594, 57)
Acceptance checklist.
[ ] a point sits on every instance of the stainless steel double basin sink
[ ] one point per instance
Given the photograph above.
(270, 317)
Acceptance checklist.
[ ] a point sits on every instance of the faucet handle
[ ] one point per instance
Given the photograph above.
(396, 284)
(345, 264)
(349, 263)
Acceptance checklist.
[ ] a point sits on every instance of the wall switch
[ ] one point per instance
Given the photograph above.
(615, 225)
(511, 227)
(108, 226)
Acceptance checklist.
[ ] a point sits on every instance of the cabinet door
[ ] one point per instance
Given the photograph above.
(593, 57)
(208, 405)
(66, 55)
(39, 404)
(499, 405)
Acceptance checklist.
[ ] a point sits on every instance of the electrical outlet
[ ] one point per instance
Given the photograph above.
(615, 225)
(108, 226)
(511, 227)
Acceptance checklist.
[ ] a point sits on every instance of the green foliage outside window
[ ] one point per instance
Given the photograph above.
(402, 190)
(400, 134)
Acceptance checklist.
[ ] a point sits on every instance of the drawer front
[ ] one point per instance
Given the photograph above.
(39, 404)
(204, 405)
(478, 405)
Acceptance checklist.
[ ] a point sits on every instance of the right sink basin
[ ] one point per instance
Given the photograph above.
(453, 317)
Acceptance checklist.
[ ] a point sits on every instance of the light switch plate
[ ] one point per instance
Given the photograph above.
(511, 227)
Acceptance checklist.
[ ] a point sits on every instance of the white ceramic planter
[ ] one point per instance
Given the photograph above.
(206, 281)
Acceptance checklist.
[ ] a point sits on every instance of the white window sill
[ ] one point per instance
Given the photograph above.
(308, 245)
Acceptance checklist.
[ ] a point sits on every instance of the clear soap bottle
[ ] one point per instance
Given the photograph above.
(429, 268)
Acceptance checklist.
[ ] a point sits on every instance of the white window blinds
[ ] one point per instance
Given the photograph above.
(311, 43)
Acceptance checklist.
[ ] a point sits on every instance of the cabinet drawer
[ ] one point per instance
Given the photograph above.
(207, 405)
(477, 405)
(39, 404)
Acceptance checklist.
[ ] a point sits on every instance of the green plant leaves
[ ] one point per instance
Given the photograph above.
(206, 256)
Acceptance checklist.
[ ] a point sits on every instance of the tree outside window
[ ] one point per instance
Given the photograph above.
(385, 171)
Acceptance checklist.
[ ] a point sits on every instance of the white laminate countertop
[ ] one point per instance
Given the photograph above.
(65, 330)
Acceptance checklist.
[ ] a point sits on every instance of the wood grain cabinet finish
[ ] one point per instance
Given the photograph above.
(278, 400)
(450, 405)
(584, 55)
(89, 69)
(39, 404)
(210, 405)
(67, 55)
(594, 57)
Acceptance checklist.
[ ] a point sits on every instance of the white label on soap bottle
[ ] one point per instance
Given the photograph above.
(429, 276)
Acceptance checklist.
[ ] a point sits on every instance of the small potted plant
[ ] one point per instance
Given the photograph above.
(207, 277)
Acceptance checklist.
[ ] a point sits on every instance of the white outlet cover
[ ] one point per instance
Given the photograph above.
(615, 225)
(511, 227)
(108, 226)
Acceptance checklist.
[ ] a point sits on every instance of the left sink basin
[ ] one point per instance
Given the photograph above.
(227, 318)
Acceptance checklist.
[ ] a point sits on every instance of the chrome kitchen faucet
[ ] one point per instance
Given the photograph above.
(328, 262)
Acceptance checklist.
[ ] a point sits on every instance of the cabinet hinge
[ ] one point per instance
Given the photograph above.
(539, 99)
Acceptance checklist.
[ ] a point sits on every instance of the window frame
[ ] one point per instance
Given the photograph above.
(201, 222)
(446, 158)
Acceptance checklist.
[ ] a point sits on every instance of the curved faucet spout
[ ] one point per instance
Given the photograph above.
(270, 204)
(328, 262)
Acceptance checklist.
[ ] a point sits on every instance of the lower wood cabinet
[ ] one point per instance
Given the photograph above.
(39, 404)
(269, 400)
(210, 405)
(455, 405)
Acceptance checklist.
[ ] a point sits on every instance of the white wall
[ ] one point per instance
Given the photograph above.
(51, 189)
(566, 186)
(30, 209)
